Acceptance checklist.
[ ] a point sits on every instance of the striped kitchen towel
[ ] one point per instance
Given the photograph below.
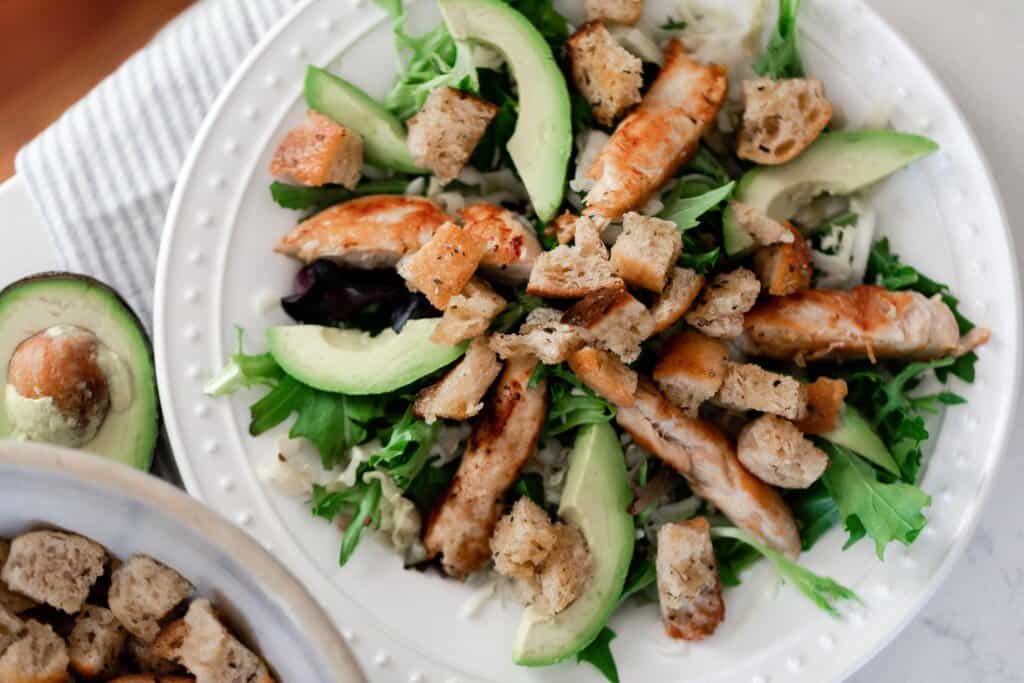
(102, 176)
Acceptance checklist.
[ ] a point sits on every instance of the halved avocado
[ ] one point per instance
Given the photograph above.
(596, 499)
(355, 363)
(542, 141)
(837, 163)
(48, 303)
(853, 431)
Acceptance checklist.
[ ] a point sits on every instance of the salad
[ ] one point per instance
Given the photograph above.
(600, 310)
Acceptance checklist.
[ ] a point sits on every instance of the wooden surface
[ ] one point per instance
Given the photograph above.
(52, 52)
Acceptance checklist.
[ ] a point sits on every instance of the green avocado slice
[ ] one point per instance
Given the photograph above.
(542, 141)
(853, 431)
(837, 163)
(596, 499)
(355, 363)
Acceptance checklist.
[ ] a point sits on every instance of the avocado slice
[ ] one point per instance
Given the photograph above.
(542, 141)
(596, 499)
(355, 363)
(837, 163)
(853, 431)
(383, 134)
(50, 303)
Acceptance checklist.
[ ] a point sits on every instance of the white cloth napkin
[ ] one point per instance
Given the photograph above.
(102, 176)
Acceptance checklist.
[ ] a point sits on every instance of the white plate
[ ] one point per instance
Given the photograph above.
(216, 265)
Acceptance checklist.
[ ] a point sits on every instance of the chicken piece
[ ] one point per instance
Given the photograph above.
(563, 228)
(459, 394)
(781, 118)
(646, 251)
(319, 151)
(469, 313)
(657, 137)
(368, 232)
(444, 133)
(776, 452)
(678, 296)
(607, 75)
(504, 437)
(543, 335)
(609, 377)
(824, 404)
(764, 230)
(618, 11)
(750, 387)
(868, 322)
(785, 268)
(616, 321)
(691, 369)
(512, 247)
(689, 589)
(444, 265)
(720, 309)
(706, 458)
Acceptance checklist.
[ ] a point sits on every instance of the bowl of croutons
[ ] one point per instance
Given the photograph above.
(108, 574)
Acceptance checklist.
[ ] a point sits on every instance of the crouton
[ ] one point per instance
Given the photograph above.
(54, 567)
(615, 319)
(604, 72)
(563, 228)
(776, 452)
(166, 647)
(760, 227)
(319, 151)
(96, 642)
(459, 394)
(443, 266)
(549, 561)
(781, 118)
(11, 628)
(150, 656)
(211, 653)
(646, 251)
(605, 374)
(616, 11)
(568, 273)
(751, 387)
(511, 245)
(151, 678)
(444, 133)
(587, 237)
(13, 602)
(824, 403)
(144, 591)
(469, 313)
(691, 369)
(689, 589)
(785, 268)
(722, 303)
(675, 300)
(38, 656)
(543, 335)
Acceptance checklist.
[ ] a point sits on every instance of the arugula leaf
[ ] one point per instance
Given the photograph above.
(430, 484)
(319, 198)
(361, 501)
(672, 25)
(407, 449)
(815, 512)
(496, 87)
(642, 574)
(705, 161)
(684, 211)
(781, 58)
(732, 557)
(692, 256)
(884, 511)
(573, 403)
(243, 371)
(581, 113)
(821, 590)
(516, 312)
(599, 654)
(531, 485)
(545, 18)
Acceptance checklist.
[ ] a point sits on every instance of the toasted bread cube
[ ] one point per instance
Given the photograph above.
(444, 133)
(609, 377)
(54, 567)
(615, 319)
(469, 313)
(11, 628)
(587, 237)
(764, 230)
(96, 642)
(443, 266)
(676, 299)
(567, 273)
(720, 308)
(211, 653)
(776, 452)
(781, 119)
(38, 656)
(459, 395)
(646, 251)
(604, 72)
(616, 11)
(785, 268)
(691, 369)
(143, 592)
(689, 589)
(824, 404)
(151, 678)
(543, 335)
(563, 228)
(751, 387)
(153, 656)
(319, 151)
(15, 603)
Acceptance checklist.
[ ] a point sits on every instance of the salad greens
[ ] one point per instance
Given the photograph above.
(361, 502)
(319, 198)
(573, 403)
(407, 449)
(599, 654)
(781, 58)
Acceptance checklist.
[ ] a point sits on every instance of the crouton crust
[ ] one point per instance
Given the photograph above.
(443, 266)
(469, 313)
(689, 589)
(646, 251)
(618, 11)
(319, 151)
(723, 302)
(444, 133)
(764, 230)
(825, 398)
(143, 592)
(568, 273)
(676, 299)
(609, 377)
(96, 642)
(777, 453)
(691, 369)
(38, 656)
(54, 567)
(617, 321)
(604, 72)
(785, 268)
(543, 335)
(751, 387)
(781, 118)
(458, 395)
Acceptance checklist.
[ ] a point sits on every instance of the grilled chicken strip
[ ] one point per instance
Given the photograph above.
(702, 454)
(368, 232)
(658, 137)
(511, 246)
(503, 439)
(868, 321)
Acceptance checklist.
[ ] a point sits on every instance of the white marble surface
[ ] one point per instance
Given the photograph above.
(973, 630)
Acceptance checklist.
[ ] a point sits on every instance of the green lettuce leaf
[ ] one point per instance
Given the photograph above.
(361, 502)
(319, 198)
(781, 58)
(573, 403)
(243, 371)
(685, 211)
(599, 655)
(407, 449)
